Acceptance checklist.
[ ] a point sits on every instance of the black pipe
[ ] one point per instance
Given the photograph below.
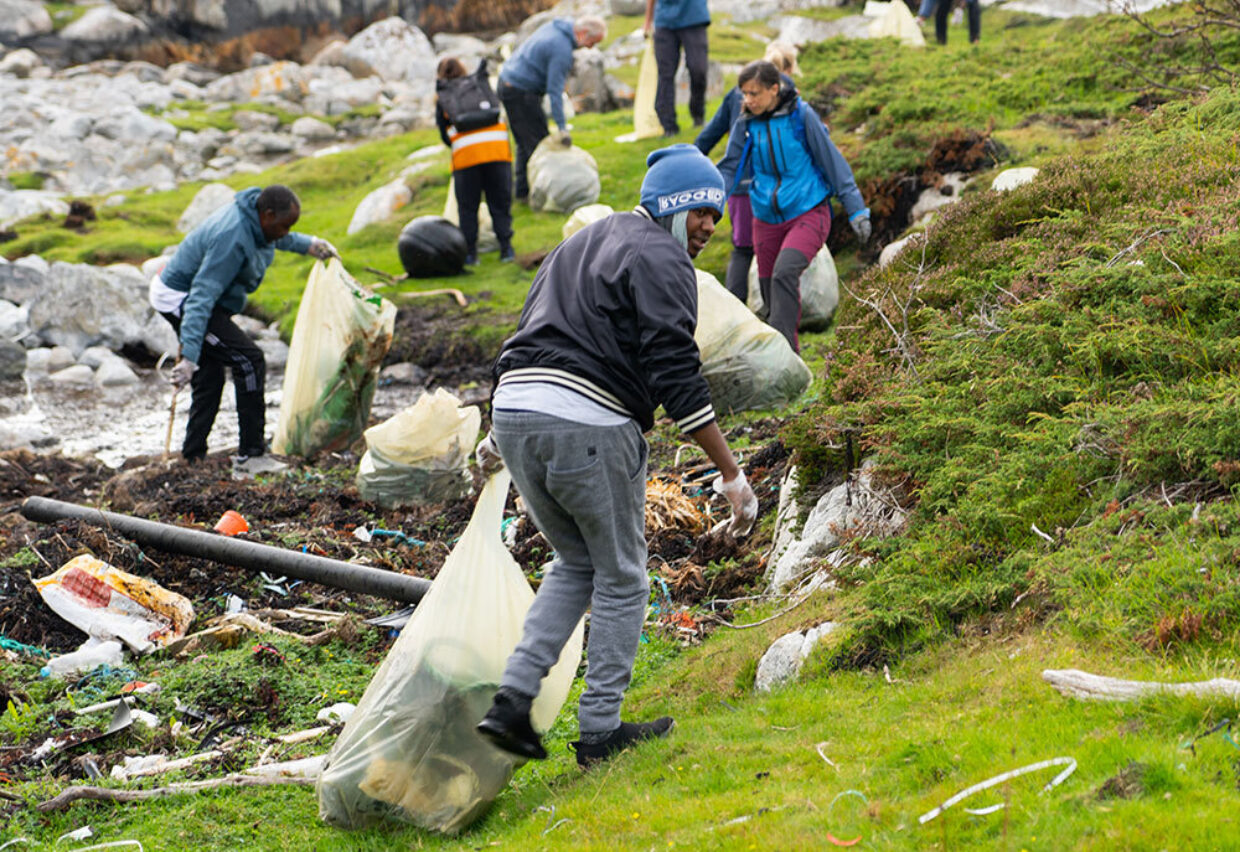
(237, 552)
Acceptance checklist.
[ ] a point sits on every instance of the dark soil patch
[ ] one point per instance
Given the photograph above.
(433, 337)
(1128, 783)
(79, 214)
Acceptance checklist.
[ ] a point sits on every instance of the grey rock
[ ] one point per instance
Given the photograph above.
(22, 203)
(21, 19)
(20, 283)
(333, 55)
(258, 143)
(25, 434)
(37, 360)
(105, 24)
(12, 360)
(74, 125)
(626, 7)
(83, 306)
(379, 205)
(210, 198)
(131, 125)
(275, 352)
(59, 358)
(93, 356)
(253, 328)
(20, 63)
(404, 373)
(312, 129)
(14, 321)
(250, 120)
(190, 73)
(282, 81)
(113, 373)
(932, 198)
(1010, 179)
(799, 30)
(783, 660)
(146, 72)
(258, 59)
(33, 261)
(78, 374)
(395, 49)
(893, 249)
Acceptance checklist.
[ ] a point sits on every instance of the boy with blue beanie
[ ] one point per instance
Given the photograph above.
(605, 337)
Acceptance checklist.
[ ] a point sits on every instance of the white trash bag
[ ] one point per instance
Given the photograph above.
(583, 216)
(562, 178)
(746, 363)
(410, 751)
(820, 292)
(420, 455)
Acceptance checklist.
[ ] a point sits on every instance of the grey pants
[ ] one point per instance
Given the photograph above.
(585, 489)
(667, 47)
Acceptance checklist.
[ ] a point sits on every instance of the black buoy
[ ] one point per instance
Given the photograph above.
(432, 247)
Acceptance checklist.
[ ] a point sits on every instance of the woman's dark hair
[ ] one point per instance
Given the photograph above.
(450, 68)
(277, 199)
(764, 72)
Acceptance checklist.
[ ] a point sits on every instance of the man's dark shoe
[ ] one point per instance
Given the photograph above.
(668, 134)
(626, 735)
(509, 729)
(506, 254)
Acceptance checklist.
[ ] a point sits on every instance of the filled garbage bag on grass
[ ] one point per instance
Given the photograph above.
(410, 751)
(583, 216)
(746, 363)
(421, 454)
(820, 292)
(431, 247)
(341, 336)
(562, 178)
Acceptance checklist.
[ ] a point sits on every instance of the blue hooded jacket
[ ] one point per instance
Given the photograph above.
(542, 63)
(220, 263)
(795, 164)
(678, 14)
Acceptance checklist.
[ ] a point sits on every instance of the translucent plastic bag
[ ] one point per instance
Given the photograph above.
(561, 178)
(645, 119)
(421, 454)
(410, 751)
(341, 336)
(583, 216)
(746, 363)
(820, 291)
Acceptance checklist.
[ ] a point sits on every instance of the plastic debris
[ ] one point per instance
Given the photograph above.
(1069, 762)
(77, 834)
(234, 604)
(231, 523)
(831, 838)
(341, 711)
(90, 655)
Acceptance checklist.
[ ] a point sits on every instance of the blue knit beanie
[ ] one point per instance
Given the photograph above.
(678, 178)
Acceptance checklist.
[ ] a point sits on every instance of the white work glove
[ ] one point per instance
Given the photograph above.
(862, 228)
(182, 372)
(489, 460)
(743, 501)
(321, 249)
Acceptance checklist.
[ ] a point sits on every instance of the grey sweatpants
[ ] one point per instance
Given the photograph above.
(585, 489)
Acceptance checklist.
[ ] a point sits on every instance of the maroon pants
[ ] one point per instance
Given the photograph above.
(784, 250)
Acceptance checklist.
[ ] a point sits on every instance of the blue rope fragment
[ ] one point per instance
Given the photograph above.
(28, 650)
(398, 536)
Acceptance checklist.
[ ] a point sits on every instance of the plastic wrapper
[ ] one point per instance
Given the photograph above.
(108, 603)
(431, 247)
(746, 363)
(820, 292)
(410, 751)
(561, 178)
(341, 336)
(421, 454)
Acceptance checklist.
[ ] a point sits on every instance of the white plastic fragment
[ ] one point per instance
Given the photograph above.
(1070, 762)
(338, 712)
(77, 834)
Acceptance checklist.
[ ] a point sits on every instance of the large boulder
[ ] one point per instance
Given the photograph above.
(312, 129)
(20, 283)
(783, 660)
(21, 203)
(280, 80)
(20, 63)
(380, 205)
(210, 198)
(395, 49)
(131, 126)
(21, 19)
(105, 25)
(12, 360)
(81, 306)
(332, 55)
(14, 321)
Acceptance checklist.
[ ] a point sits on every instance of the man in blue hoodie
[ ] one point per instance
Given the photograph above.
(207, 281)
(539, 66)
(679, 25)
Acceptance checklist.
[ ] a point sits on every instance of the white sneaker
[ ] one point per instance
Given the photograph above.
(247, 467)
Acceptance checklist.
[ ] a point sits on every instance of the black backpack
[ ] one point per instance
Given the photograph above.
(469, 102)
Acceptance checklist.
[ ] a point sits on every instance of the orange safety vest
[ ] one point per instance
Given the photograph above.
(484, 145)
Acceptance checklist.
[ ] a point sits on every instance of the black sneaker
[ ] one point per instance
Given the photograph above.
(621, 738)
(507, 255)
(510, 730)
(670, 134)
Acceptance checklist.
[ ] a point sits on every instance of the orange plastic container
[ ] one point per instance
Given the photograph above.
(231, 523)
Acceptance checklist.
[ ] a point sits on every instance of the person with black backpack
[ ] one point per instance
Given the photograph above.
(469, 123)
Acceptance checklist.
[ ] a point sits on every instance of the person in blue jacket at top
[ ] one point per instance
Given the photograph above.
(679, 25)
(539, 66)
(796, 169)
(784, 56)
(214, 270)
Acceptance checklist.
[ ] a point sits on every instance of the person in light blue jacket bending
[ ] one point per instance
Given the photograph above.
(207, 281)
(796, 169)
(539, 66)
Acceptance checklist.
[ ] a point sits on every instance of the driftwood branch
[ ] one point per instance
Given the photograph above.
(1078, 684)
(106, 794)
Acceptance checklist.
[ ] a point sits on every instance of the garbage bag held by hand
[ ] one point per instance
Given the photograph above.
(431, 247)
(645, 119)
(410, 752)
(341, 336)
(420, 455)
(820, 292)
(746, 363)
(561, 179)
